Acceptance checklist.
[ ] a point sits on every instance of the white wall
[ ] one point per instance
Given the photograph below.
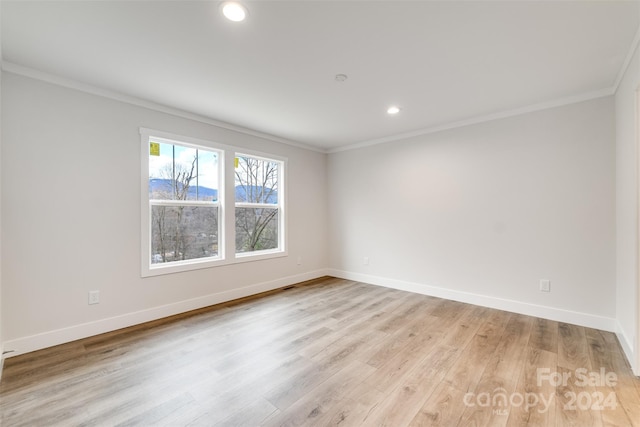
(627, 303)
(482, 213)
(71, 217)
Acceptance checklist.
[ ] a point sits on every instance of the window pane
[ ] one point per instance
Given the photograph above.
(207, 186)
(256, 180)
(183, 233)
(256, 229)
(161, 172)
(185, 172)
(182, 173)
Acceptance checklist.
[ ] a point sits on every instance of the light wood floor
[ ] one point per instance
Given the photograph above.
(329, 352)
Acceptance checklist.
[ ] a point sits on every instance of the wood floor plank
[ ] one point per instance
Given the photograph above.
(460, 333)
(415, 387)
(257, 412)
(323, 344)
(259, 378)
(612, 411)
(544, 335)
(500, 375)
(467, 371)
(510, 355)
(572, 347)
(442, 408)
(571, 410)
(607, 352)
(326, 364)
(377, 308)
(312, 406)
(404, 315)
(269, 344)
(159, 411)
(450, 310)
(358, 304)
(425, 328)
(353, 408)
(325, 352)
(539, 407)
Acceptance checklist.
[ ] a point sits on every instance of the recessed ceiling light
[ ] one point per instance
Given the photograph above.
(234, 11)
(393, 110)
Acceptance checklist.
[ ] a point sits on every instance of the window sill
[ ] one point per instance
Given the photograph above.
(184, 266)
(259, 255)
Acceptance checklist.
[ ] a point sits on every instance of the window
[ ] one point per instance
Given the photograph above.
(182, 208)
(258, 196)
(184, 220)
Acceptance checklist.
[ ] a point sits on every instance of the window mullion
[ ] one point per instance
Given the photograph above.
(230, 197)
(257, 205)
(199, 203)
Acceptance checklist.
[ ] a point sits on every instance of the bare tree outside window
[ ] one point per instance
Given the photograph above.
(184, 221)
(257, 203)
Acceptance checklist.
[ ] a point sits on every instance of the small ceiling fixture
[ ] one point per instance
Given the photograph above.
(341, 77)
(234, 11)
(393, 110)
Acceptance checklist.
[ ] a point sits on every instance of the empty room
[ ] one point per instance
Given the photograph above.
(333, 212)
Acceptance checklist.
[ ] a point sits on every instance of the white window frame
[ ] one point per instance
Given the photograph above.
(149, 269)
(226, 198)
(281, 250)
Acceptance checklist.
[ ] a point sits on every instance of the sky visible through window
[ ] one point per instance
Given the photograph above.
(160, 166)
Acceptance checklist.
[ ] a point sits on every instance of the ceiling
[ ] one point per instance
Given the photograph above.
(442, 62)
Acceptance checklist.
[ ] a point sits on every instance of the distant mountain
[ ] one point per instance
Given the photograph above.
(164, 185)
(254, 192)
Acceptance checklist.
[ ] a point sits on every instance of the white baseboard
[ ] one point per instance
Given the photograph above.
(551, 313)
(64, 335)
(72, 333)
(628, 348)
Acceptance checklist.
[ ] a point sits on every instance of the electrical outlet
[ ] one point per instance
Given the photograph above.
(545, 285)
(365, 261)
(299, 260)
(94, 297)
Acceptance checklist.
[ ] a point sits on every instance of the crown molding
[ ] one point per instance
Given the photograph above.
(507, 113)
(479, 119)
(627, 60)
(139, 102)
(94, 90)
